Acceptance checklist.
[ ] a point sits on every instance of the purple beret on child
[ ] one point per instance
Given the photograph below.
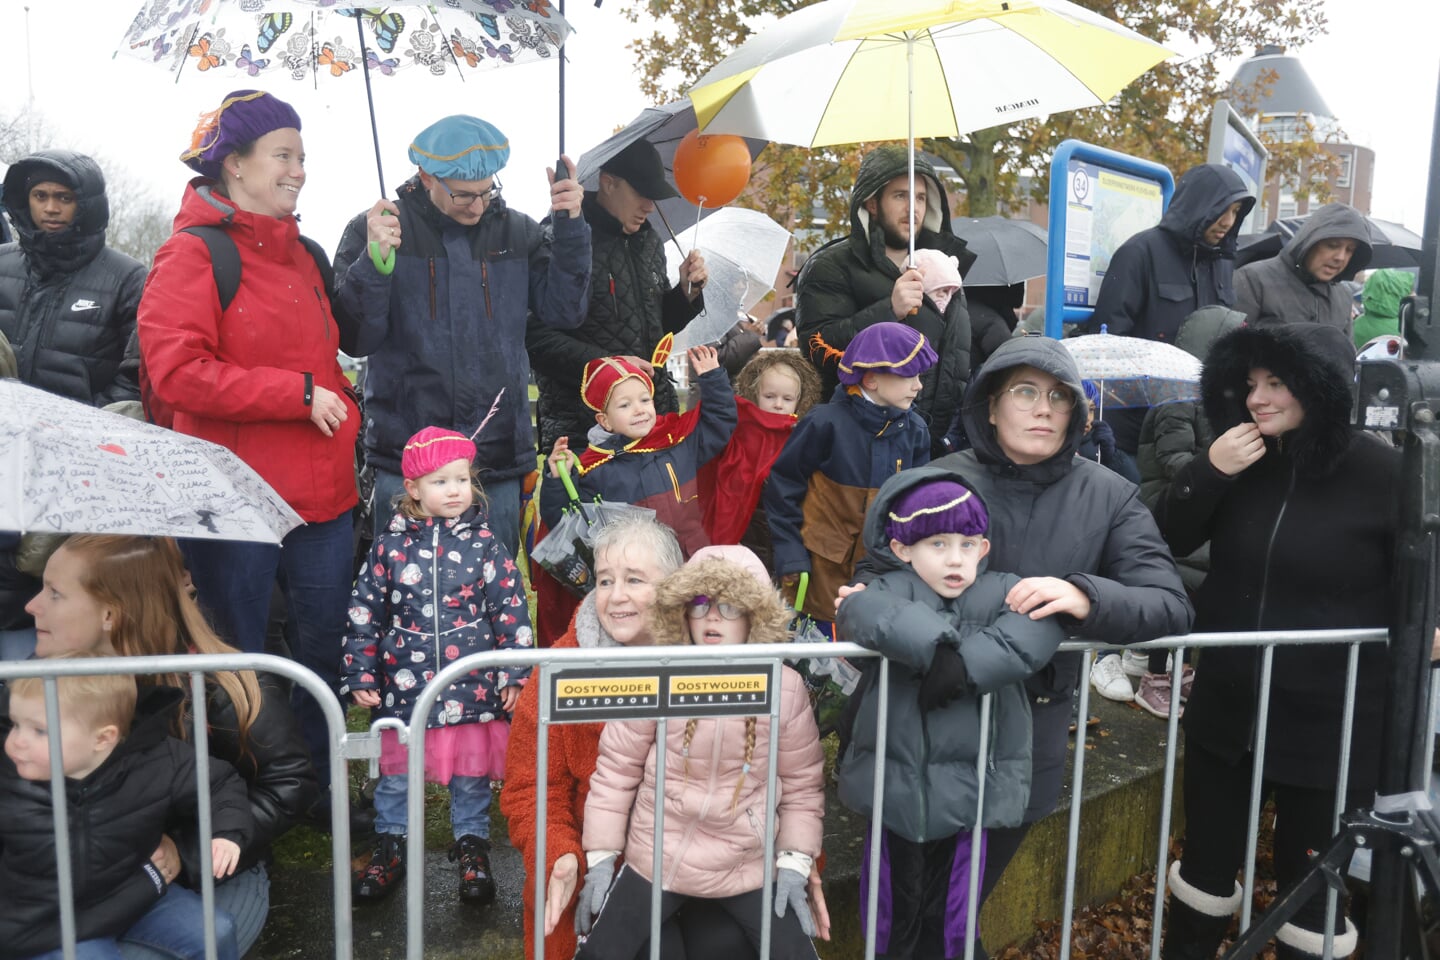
(886, 347)
(934, 508)
(242, 118)
(431, 449)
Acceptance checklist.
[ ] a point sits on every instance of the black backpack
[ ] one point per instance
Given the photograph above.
(225, 263)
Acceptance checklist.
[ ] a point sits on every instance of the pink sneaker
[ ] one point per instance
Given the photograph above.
(1154, 695)
(1187, 680)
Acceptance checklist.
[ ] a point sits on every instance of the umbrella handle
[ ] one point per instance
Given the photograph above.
(564, 469)
(385, 265)
(804, 585)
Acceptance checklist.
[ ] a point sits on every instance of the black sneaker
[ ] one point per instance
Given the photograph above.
(384, 871)
(476, 883)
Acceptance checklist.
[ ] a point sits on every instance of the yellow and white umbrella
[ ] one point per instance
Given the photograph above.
(843, 71)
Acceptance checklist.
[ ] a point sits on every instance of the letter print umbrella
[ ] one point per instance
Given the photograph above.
(846, 71)
(1131, 372)
(247, 40)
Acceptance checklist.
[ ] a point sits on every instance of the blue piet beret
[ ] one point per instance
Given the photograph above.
(460, 148)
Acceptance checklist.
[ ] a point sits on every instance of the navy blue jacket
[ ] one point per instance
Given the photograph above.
(664, 479)
(445, 332)
(825, 479)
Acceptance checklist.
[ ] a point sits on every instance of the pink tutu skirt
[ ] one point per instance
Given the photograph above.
(464, 750)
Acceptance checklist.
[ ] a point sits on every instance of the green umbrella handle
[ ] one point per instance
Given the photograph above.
(564, 467)
(800, 591)
(386, 264)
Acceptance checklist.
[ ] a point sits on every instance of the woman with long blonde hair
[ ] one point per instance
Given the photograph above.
(131, 596)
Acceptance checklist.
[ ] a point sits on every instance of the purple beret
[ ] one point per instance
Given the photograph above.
(886, 348)
(243, 117)
(930, 509)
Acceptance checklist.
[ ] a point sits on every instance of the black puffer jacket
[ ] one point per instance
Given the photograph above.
(632, 306)
(117, 815)
(1281, 290)
(68, 302)
(273, 762)
(1302, 539)
(1070, 518)
(845, 287)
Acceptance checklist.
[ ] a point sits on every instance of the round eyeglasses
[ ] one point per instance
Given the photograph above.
(700, 607)
(466, 198)
(1026, 395)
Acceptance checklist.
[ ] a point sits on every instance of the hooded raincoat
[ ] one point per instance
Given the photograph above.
(1281, 290)
(1160, 276)
(239, 377)
(67, 301)
(931, 777)
(845, 286)
(1302, 539)
(1383, 292)
(1074, 519)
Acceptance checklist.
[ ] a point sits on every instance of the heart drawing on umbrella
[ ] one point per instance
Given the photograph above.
(113, 448)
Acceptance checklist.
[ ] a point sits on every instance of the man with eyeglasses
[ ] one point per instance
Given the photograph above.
(632, 305)
(440, 282)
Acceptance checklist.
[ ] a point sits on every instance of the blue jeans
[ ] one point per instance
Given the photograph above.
(245, 897)
(315, 565)
(469, 806)
(173, 927)
(503, 497)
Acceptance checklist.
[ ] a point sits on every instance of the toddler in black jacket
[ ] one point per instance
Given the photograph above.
(125, 780)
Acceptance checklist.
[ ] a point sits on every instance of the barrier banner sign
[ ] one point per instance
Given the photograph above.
(649, 692)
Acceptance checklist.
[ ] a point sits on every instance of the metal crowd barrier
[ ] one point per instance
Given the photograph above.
(659, 667)
(196, 666)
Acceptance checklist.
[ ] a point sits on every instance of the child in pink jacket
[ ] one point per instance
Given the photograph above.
(715, 774)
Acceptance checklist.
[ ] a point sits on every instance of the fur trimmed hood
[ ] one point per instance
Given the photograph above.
(1317, 363)
(713, 574)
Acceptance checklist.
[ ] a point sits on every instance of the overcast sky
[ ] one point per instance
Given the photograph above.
(1378, 77)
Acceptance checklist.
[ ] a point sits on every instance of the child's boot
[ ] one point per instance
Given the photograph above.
(1196, 921)
(476, 883)
(384, 871)
(1296, 943)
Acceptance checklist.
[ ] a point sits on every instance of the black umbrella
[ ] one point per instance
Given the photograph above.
(1391, 244)
(664, 127)
(1006, 251)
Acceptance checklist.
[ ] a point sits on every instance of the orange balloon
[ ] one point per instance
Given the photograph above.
(711, 170)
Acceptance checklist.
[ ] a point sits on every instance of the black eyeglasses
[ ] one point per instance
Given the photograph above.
(1026, 395)
(466, 198)
(700, 607)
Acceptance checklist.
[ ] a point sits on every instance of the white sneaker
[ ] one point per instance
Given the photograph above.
(1136, 663)
(1109, 679)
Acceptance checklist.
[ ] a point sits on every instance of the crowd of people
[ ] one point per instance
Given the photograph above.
(938, 490)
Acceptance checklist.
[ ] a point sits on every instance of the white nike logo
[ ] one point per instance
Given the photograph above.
(80, 305)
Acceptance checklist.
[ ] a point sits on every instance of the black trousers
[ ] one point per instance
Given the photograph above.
(1217, 806)
(691, 928)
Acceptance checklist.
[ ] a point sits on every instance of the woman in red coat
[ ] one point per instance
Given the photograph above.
(260, 377)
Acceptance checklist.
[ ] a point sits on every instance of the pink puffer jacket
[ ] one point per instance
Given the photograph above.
(714, 842)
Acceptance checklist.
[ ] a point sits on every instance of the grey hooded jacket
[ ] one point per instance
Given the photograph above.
(845, 287)
(931, 758)
(1281, 290)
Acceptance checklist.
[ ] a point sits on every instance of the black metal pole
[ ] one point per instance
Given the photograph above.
(560, 53)
(370, 101)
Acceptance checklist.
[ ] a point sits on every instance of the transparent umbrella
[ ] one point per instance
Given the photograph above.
(1131, 372)
(743, 250)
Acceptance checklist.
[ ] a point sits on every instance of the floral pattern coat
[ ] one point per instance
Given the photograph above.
(432, 591)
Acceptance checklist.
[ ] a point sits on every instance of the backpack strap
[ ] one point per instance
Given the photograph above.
(224, 261)
(322, 262)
